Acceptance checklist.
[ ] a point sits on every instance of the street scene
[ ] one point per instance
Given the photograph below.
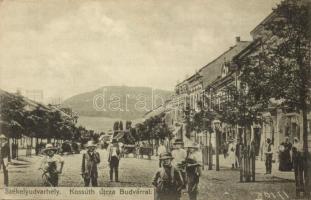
(214, 185)
(195, 100)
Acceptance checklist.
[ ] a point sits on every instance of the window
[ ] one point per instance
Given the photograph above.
(224, 70)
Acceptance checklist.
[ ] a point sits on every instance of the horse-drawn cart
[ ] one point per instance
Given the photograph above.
(145, 151)
(129, 149)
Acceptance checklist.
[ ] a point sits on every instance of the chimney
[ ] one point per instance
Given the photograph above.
(237, 39)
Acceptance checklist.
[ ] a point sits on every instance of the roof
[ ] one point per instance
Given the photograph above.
(212, 70)
(264, 21)
(247, 50)
(35, 104)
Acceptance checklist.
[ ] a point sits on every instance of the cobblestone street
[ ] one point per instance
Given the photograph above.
(223, 184)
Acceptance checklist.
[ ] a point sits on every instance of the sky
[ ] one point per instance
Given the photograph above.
(66, 47)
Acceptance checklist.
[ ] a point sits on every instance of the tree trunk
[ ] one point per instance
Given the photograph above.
(307, 162)
(217, 132)
(210, 153)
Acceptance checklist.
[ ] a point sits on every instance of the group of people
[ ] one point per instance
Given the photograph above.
(179, 169)
(52, 164)
(232, 152)
(289, 155)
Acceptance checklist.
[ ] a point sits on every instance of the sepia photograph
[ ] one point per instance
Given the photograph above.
(155, 99)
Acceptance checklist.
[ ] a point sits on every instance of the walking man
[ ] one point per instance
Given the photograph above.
(52, 164)
(90, 160)
(167, 180)
(113, 159)
(268, 154)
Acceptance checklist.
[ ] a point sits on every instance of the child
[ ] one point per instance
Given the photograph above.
(52, 164)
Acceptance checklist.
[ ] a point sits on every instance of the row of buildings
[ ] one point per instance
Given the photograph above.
(208, 84)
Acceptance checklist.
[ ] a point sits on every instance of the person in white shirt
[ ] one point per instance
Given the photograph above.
(52, 164)
(113, 159)
(178, 153)
(161, 150)
(193, 170)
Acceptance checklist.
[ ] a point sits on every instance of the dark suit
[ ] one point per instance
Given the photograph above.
(5, 153)
(89, 168)
(114, 162)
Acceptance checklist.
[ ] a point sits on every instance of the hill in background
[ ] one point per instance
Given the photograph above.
(121, 102)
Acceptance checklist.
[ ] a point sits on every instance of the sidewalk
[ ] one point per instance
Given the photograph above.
(260, 168)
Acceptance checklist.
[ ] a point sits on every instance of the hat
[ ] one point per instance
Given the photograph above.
(3, 136)
(178, 141)
(191, 162)
(90, 144)
(49, 147)
(166, 155)
(192, 145)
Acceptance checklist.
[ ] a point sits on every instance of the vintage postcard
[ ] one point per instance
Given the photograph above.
(155, 99)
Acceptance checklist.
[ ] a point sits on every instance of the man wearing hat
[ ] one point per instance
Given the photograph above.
(161, 150)
(90, 160)
(167, 180)
(268, 154)
(113, 159)
(193, 170)
(52, 164)
(179, 155)
(4, 157)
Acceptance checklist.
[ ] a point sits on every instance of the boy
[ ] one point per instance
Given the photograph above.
(52, 164)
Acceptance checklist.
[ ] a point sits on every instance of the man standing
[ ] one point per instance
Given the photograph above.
(298, 162)
(268, 154)
(4, 156)
(52, 164)
(167, 180)
(90, 160)
(161, 150)
(193, 170)
(285, 156)
(179, 155)
(113, 159)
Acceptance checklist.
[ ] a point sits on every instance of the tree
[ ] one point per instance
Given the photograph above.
(12, 114)
(280, 68)
(116, 126)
